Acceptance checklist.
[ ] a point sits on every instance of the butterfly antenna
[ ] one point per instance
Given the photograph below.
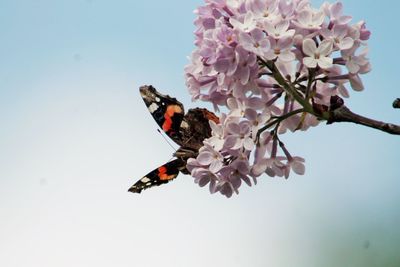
(158, 130)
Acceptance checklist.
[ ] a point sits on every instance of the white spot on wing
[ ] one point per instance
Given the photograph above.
(184, 124)
(158, 99)
(145, 180)
(153, 107)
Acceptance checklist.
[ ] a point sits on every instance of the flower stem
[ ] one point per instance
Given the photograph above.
(278, 120)
(287, 86)
(309, 83)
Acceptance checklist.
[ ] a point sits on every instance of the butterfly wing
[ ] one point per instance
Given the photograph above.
(166, 111)
(198, 127)
(159, 176)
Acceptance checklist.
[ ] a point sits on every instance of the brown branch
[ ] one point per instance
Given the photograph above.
(343, 114)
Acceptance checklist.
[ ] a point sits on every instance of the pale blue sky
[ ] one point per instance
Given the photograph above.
(75, 135)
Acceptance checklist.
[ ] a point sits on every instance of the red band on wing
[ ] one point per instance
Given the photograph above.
(163, 175)
(171, 110)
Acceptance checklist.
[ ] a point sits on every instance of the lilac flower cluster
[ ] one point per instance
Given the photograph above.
(268, 64)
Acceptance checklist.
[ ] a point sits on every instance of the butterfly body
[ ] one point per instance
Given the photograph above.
(187, 130)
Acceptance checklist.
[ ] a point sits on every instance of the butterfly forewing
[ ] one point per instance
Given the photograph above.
(166, 111)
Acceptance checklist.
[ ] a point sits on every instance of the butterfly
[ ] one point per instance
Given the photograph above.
(187, 130)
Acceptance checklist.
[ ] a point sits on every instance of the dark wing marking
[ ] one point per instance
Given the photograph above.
(159, 176)
(166, 111)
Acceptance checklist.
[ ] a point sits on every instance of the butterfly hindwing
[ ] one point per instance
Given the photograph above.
(166, 111)
(161, 175)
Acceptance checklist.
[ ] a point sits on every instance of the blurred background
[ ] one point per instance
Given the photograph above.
(75, 135)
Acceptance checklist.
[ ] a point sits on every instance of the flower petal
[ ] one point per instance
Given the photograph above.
(287, 56)
(242, 166)
(226, 189)
(309, 47)
(222, 65)
(250, 114)
(248, 19)
(304, 17)
(270, 55)
(244, 127)
(352, 66)
(310, 62)
(238, 144)
(269, 28)
(257, 34)
(325, 47)
(248, 144)
(285, 42)
(203, 181)
(205, 158)
(325, 62)
(215, 128)
(232, 103)
(215, 166)
(339, 31)
(270, 172)
(213, 186)
(318, 18)
(243, 74)
(192, 164)
(259, 168)
(255, 103)
(282, 26)
(356, 83)
(336, 9)
(346, 43)
(298, 167)
(235, 23)
(235, 181)
(233, 128)
(216, 142)
(246, 40)
(343, 91)
(344, 19)
(230, 141)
